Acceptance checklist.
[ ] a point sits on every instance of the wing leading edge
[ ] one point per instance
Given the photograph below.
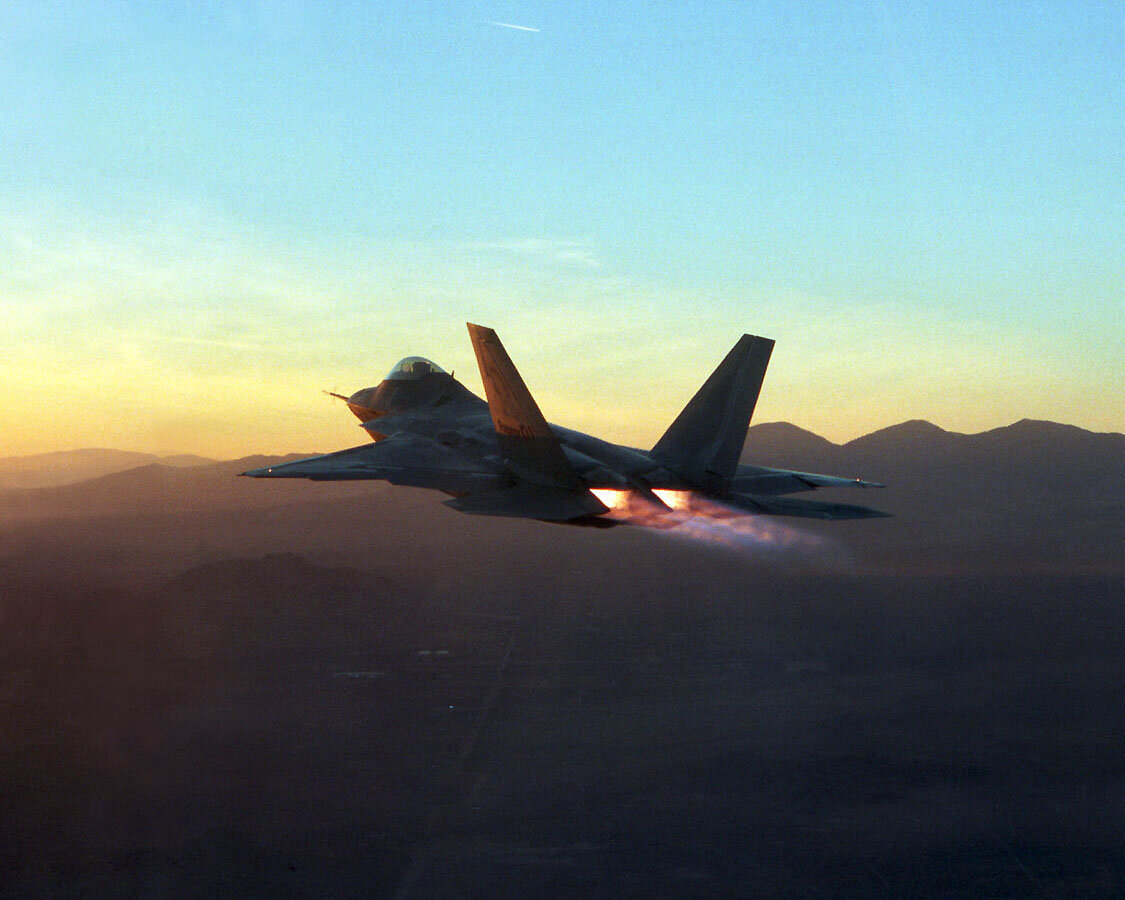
(410, 461)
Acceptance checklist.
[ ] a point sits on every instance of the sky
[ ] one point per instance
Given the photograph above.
(211, 211)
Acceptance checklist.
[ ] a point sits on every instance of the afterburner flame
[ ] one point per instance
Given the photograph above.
(675, 499)
(614, 499)
(697, 517)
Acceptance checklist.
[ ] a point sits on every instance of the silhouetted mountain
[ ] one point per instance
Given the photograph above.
(1043, 494)
(914, 436)
(1028, 457)
(1031, 494)
(72, 466)
(1025, 436)
(185, 460)
(781, 440)
(169, 489)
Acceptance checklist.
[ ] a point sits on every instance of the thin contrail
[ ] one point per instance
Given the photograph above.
(516, 27)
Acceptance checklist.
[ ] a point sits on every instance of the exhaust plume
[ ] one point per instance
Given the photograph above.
(693, 516)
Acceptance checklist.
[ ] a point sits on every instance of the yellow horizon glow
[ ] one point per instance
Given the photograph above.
(178, 343)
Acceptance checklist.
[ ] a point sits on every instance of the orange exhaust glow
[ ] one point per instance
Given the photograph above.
(674, 499)
(701, 519)
(614, 499)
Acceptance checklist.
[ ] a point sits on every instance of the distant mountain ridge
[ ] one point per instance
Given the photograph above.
(155, 487)
(913, 458)
(61, 467)
(788, 434)
(1028, 483)
(1030, 494)
(1029, 455)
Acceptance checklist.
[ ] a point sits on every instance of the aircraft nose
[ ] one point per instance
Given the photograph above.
(363, 405)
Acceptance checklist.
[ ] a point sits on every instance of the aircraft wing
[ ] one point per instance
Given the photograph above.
(764, 481)
(408, 460)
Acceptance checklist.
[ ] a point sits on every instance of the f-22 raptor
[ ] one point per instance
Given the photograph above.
(502, 458)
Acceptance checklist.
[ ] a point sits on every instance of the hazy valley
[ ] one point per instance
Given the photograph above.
(219, 685)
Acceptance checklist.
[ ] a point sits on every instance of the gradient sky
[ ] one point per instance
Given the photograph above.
(209, 211)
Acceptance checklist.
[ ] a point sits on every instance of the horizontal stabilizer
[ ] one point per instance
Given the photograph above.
(704, 442)
(531, 502)
(763, 480)
(806, 509)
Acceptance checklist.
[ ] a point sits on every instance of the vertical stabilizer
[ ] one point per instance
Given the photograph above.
(531, 450)
(704, 443)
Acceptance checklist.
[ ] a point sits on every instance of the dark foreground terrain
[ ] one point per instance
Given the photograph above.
(366, 695)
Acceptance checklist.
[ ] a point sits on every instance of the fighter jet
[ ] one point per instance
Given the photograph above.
(502, 458)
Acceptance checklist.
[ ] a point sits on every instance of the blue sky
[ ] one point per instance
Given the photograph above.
(209, 211)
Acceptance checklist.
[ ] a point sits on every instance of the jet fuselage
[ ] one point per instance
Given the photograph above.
(500, 456)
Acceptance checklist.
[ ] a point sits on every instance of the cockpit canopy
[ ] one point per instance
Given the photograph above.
(412, 368)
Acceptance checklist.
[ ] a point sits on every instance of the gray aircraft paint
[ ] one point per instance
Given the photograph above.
(502, 458)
